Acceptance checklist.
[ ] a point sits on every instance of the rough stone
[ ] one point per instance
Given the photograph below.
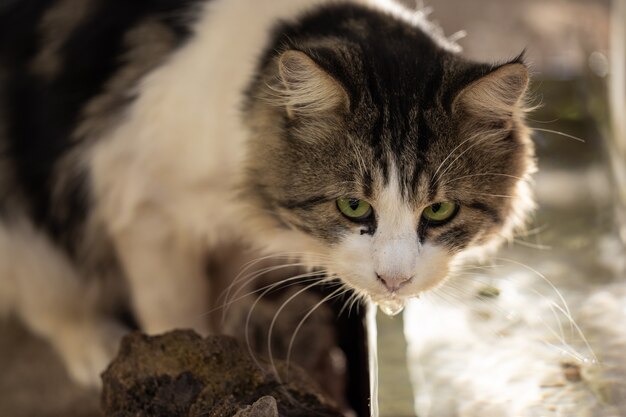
(181, 374)
(263, 407)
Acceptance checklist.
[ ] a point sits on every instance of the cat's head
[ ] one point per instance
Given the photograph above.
(382, 154)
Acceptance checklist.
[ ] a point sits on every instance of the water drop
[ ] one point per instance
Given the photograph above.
(391, 307)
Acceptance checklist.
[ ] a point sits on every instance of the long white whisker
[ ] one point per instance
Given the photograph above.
(564, 309)
(490, 174)
(478, 142)
(284, 283)
(273, 323)
(490, 195)
(434, 177)
(543, 277)
(249, 264)
(534, 231)
(247, 333)
(578, 330)
(355, 303)
(348, 301)
(547, 122)
(255, 275)
(556, 132)
(561, 334)
(532, 245)
(335, 293)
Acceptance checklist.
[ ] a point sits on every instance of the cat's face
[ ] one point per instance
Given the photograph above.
(387, 171)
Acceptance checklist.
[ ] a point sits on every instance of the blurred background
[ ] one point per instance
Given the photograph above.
(540, 330)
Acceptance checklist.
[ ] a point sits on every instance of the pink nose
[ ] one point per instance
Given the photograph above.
(393, 283)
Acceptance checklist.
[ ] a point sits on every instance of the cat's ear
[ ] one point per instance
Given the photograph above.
(305, 88)
(496, 95)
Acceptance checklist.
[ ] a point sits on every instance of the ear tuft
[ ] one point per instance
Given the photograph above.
(305, 88)
(497, 95)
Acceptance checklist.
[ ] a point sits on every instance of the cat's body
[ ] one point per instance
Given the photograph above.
(137, 136)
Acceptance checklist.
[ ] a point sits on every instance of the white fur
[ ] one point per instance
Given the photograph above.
(41, 286)
(418, 18)
(395, 247)
(393, 252)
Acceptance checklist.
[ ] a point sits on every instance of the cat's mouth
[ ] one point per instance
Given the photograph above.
(390, 305)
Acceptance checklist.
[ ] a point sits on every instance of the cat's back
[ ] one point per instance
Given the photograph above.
(57, 55)
(67, 71)
(70, 69)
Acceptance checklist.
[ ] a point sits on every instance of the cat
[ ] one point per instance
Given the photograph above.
(137, 136)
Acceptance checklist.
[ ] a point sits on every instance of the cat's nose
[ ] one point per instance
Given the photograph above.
(394, 282)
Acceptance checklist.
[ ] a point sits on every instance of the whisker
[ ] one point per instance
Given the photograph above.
(336, 293)
(564, 309)
(256, 275)
(273, 323)
(348, 301)
(535, 231)
(284, 283)
(247, 333)
(249, 264)
(304, 256)
(434, 177)
(244, 269)
(556, 132)
(478, 141)
(578, 331)
(494, 174)
(449, 289)
(442, 297)
(490, 195)
(547, 122)
(531, 245)
(561, 333)
(463, 268)
(540, 275)
(356, 303)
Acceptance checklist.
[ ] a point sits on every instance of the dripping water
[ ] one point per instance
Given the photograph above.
(372, 354)
(390, 307)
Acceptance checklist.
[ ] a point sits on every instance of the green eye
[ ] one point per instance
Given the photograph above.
(354, 209)
(440, 212)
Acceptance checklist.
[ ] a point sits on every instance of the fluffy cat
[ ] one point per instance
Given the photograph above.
(137, 136)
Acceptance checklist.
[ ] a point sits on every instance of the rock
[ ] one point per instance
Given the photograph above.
(263, 407)
(181, 374)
